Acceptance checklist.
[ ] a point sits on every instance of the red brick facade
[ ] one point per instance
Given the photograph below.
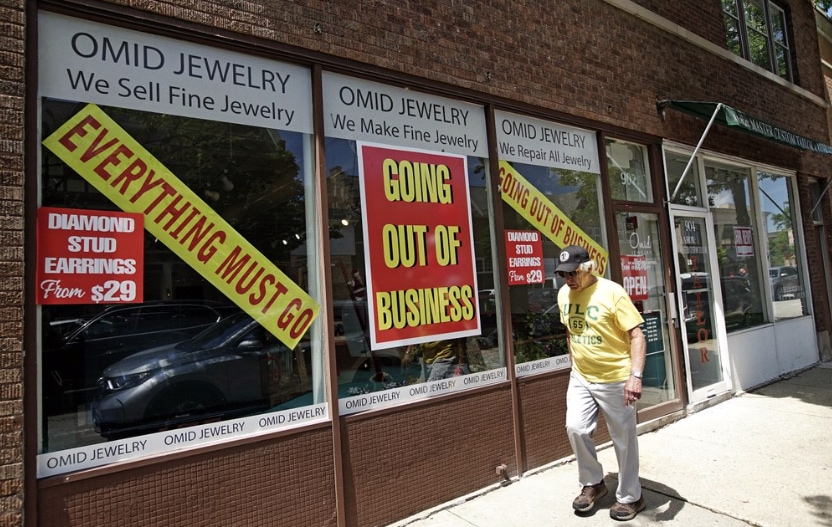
(581, 62)
(12, 99)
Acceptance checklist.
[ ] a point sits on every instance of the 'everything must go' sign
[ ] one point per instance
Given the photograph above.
(104, 154)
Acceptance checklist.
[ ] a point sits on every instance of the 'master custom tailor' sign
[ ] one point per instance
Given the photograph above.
(732, 117)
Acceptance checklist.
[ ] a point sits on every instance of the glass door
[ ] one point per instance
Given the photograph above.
(643, 268)
(701, 318)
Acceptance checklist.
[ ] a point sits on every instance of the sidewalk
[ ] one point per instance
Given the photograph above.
(762, 458)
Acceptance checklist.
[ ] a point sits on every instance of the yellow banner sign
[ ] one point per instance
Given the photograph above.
(535, 207)
(112, 161)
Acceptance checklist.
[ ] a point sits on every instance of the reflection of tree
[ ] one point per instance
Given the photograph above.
(581, 206)
(687, 193)
(734, 182)
(780, 251)
(245, 174)
(780, 248)
(783, 219)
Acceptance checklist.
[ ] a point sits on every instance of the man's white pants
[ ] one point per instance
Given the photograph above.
(583, 400)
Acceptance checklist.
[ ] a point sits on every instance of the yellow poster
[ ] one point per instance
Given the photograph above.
(535, 207)
(98, 149)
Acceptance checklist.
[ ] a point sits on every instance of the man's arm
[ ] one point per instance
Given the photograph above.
(638, 352)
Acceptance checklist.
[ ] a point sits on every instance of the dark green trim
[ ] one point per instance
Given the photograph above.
(732, 117)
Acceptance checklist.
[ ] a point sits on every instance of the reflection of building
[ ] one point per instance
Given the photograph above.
(271, 102)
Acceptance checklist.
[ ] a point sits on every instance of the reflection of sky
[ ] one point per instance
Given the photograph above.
(544, 179)
(340, 152)
(294, 144)
(723, 200)
(774, 196)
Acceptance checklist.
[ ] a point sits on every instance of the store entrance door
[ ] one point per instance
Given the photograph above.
(643, 272)
(702, 324)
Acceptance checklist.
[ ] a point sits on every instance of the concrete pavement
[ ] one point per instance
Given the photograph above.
(763, 458)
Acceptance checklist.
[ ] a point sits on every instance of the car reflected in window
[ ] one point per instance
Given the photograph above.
(785, 283)
(76, 351)
(231, 369)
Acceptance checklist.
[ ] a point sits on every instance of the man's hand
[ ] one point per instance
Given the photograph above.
(632, 390)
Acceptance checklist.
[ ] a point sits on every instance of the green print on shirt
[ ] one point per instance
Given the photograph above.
(578, 324)
(575, 309)
(587, 340)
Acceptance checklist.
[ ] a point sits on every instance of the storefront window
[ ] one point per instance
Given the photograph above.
(411, 244)
(738, 254)
(550, 186)
(687, 190)
(627, 172)
(175, 278)
(786, 282)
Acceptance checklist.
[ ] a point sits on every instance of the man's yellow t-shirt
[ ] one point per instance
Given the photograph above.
(599, 319)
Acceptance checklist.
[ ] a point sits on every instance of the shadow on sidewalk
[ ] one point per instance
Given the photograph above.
(822, 506)
(810, 386)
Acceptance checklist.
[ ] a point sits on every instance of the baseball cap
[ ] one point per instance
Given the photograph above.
(571, 257)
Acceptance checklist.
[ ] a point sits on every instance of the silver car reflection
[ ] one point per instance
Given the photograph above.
(233, 368)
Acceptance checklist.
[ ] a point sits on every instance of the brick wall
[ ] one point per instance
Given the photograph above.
(11, 261)
(585, 59)
(413, 458)
(284, 481)
(582, 60)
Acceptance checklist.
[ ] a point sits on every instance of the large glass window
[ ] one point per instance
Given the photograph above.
(759, 259)
(683, 182)
(627, 171)
(550, 185)
(112, 371)
(738, 254)
(757, 31)
(786, 282)
(408, 178)
(206, 330)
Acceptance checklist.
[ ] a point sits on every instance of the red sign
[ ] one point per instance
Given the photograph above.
(743, 241)
(89, 257)
(418, 244)
(634, 276)
(524, 254)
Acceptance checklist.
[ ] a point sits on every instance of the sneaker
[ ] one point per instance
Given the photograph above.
(626, 511)
(588, 496)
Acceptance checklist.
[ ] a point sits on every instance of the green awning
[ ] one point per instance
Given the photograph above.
(727, 116)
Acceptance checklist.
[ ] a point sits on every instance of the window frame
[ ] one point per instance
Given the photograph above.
(770, 10)
(702, 158)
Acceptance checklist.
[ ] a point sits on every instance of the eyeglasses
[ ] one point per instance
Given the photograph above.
(566, 274)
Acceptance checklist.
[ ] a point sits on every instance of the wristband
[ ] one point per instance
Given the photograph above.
(636, 374)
